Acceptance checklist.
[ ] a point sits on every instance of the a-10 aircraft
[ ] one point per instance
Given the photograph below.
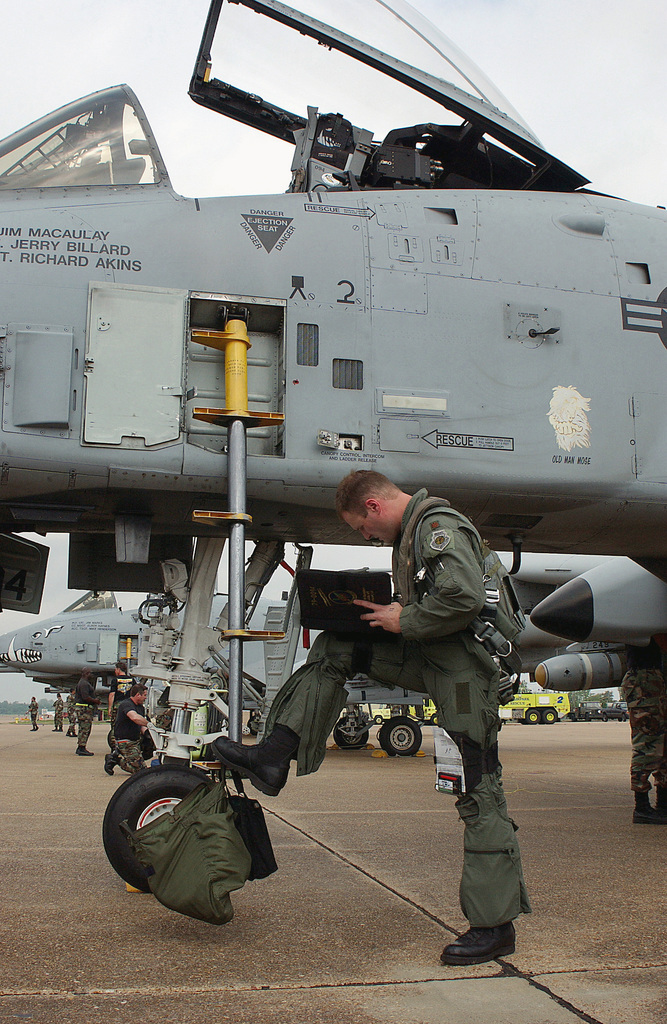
(448, 304)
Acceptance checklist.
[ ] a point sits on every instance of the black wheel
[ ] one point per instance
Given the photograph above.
(400, 736)
(532, 716)
(140, 799)
(605, 718)
(587, 717)
(110, 740)
(433, 720)
(549, 717)
(379, 720)
(345, 742)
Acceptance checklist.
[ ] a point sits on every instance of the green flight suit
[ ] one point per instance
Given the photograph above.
(436, 655)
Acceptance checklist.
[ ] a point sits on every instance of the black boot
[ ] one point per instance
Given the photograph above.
(644, 814)
(110, 762)
(479, 945)
(84, 753)
(266, 764)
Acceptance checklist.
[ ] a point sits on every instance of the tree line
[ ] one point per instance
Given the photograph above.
(20, 707)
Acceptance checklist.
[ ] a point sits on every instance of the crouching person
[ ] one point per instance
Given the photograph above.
(128, 729)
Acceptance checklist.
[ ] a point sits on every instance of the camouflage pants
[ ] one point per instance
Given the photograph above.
(59, 721)
(84, 716)
(644, 690)
(71, 718)
(130, 758)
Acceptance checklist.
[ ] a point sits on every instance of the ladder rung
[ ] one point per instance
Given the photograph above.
(203, 516)
(222, 417)
(251, 634)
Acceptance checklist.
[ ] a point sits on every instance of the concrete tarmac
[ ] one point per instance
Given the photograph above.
(351, 927)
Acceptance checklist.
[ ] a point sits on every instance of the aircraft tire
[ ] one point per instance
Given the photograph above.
(139, 797)
(110, 740)
(400, 736)
(343, 741)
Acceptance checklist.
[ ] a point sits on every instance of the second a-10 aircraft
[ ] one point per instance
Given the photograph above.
(448, 304)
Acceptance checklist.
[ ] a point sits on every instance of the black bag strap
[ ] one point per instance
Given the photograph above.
(237, 780)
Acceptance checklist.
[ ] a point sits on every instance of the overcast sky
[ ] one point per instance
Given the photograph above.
(588, 78)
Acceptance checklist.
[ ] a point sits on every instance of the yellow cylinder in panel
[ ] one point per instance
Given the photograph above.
(236, 365)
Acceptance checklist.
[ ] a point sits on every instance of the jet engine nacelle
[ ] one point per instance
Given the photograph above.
(618, 602)
(595, 671)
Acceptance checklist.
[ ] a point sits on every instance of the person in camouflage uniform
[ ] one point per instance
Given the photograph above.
(428, 646)
(86, 704)
(71, 715)
(119, 689)
(130, 725)
(58, 706)
(33, 708)
(643, 688)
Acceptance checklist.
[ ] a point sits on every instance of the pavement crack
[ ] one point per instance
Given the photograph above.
(367, 874)
(508, 969)
(565, 1003)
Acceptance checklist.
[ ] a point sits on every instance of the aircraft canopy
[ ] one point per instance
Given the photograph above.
(102, 139)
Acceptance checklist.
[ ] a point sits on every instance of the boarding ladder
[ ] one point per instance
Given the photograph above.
(237, 418)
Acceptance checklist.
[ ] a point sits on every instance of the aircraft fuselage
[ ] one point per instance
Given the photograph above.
(411, 324)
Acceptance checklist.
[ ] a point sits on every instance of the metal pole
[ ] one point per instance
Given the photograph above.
(237, 478)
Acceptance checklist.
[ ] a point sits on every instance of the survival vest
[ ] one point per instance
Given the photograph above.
(500, 621)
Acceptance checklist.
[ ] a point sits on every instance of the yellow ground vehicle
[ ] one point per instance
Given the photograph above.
(536, 708)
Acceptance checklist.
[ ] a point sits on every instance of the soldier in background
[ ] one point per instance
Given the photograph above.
(130, 726)
(119, 690)
(85, 703)
(643, 688)
(58, 706)
(71, 715)
(33, 708)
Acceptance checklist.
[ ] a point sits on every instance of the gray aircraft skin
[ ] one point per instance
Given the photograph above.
(450, 306)
(400, 315)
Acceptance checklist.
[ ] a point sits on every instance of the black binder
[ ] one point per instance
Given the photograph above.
(326, 598)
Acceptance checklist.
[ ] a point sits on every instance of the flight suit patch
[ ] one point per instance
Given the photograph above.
(439, 540)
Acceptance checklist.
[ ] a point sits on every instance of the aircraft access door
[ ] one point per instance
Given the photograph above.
(134, 365)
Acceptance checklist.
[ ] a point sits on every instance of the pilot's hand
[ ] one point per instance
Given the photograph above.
(386, 616)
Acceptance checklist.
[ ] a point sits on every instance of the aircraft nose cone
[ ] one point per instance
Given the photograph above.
(567, 612)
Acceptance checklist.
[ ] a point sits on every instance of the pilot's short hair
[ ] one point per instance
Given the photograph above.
(356, 487)
(137, 688)
(122, 665)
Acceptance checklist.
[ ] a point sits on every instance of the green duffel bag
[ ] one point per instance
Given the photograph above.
(194, 855)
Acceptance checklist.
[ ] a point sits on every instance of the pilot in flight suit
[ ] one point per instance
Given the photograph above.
(427, 647)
